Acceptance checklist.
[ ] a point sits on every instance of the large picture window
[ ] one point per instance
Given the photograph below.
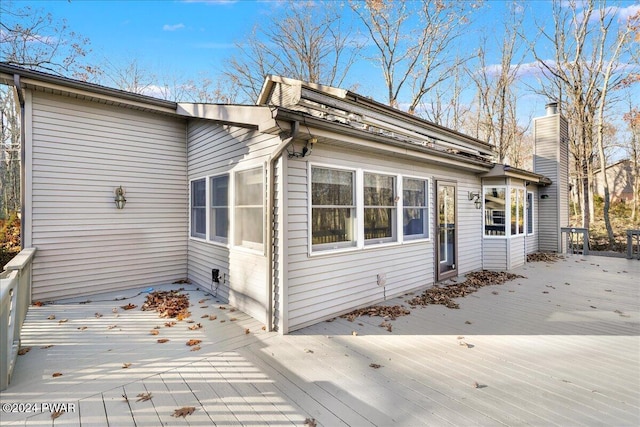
(415, 213)
(219, 216)
(199, 208)
(379, 207)
(332, 208)
(249, 200)
(495, 201)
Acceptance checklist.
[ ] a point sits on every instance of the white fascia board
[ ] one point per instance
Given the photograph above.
(251, 116)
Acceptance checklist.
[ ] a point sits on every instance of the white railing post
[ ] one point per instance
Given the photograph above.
(15, 297)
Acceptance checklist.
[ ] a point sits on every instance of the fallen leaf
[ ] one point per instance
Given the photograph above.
(306, 350)
(154, 332)
(231, 310)
(184, 411)
(203, 300)
(56, 374)
(375, 365)
(143, 397)
(467, 322)
(233, 319)
(204, 306)
(112, 326)
(193, 342)
(204, 316)
(82, 328)
(163, 340)
(475, 384)
(23, 351)
(222, 321)
(310, 422)
(63, 321)
(184, 315)
(195, 348)
(246, 331)
(46, 346)
(222, 307)
(169, 324)
(195, 327)
(125, 365)
(98, 315)
(38, 304)
(213, 317)
(354, 333)
(56, 414)
(264, 328)
(51, 317)
(114, 310)
(129, 306)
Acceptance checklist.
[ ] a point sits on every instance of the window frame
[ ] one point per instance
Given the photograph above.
(211, 209)
(530, 208)
(509, 190)
(399, 238)
(427, 208)
(333, 246)
(249, 245)
(192, 232)
(520, 200)
(393, 207)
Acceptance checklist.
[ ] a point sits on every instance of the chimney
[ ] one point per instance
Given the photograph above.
(551, 159)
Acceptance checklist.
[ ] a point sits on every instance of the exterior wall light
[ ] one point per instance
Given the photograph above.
(476, 199)
(120, 200)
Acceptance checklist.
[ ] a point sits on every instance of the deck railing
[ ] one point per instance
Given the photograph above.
(15, 297)
(633, 244)
(576, 240)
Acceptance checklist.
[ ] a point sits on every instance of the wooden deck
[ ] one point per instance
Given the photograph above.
(559, 347)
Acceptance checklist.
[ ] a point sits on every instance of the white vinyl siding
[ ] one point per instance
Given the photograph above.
(80, 152)
(215, 150)
(551, 159)
(330, 283)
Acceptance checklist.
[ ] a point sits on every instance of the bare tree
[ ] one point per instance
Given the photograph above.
(575, 76)
(31, 39)
(632, 118)
(414, 43)
(306, 42)
(495, 86)
(38, 41)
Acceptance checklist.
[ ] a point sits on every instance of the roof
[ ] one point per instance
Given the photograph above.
(14, 75)
(506, 171)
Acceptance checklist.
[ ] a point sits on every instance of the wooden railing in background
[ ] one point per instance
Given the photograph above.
(15, 297)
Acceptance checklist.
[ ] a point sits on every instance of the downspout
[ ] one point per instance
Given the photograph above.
(275, 155)
(23, 142)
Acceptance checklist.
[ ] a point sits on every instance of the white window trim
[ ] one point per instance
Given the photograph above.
(210, 238)
(533, 214)
(507, 212)
(427, 206)
(257, 247)
(359, 220)
(206, 185)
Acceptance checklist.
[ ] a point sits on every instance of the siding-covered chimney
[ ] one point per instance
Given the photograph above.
(551, 159)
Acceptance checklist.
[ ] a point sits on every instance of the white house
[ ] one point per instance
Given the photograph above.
(308, 205)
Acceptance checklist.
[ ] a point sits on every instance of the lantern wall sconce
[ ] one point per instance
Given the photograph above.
(120, 200)
(476, 199)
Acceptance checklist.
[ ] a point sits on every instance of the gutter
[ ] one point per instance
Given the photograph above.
(23, 154)
(275, 155)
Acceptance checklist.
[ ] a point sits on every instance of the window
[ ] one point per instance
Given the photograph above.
(415, 214)
(495, 200)
(379, 207)
(517, 211)
(219, 216)
(333, 208)
(199, 208)
(530, 212)
(249, 199)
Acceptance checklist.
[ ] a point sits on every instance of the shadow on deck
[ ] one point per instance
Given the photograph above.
(559, 347)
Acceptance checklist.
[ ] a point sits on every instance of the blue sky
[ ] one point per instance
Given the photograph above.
(189, 37)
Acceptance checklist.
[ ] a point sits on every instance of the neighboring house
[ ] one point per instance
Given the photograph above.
(303, 207)
(620, 179)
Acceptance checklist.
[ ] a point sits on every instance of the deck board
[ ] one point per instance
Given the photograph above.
(560, 346)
